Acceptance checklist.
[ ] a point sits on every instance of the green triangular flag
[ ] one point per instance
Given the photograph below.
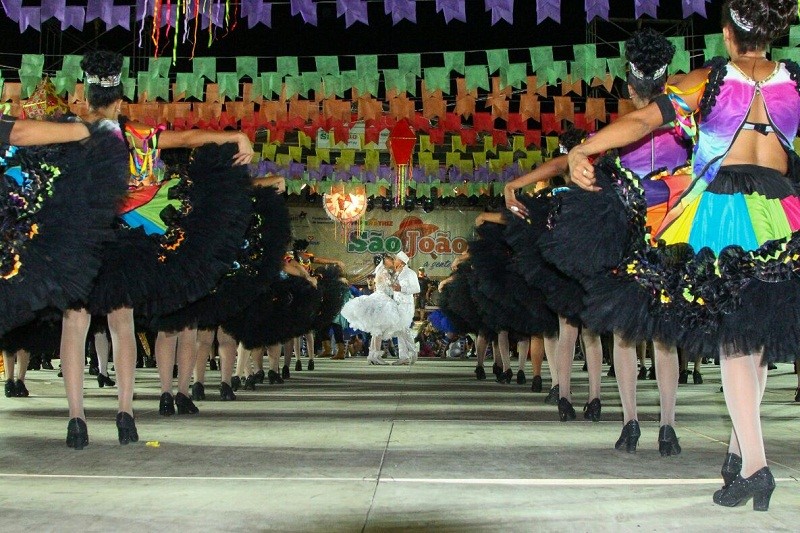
(437, 78)
(190, 83)
(541, 58)
(477, 77)
(514, 76)
(367, 66)
(159, 66)
(228, 83)
(205, 66)
(794, 35)
(681, 62)
(247, 66)
(270, 84)
(715, 46)
(71, 66)
(327, 65)
(409, 64)
(129, 88)
(294, 85)
(332, 85)
(32, 65)
(454, 61)
(497, 60)
(618, 67)
(311, 82)
(287, 66)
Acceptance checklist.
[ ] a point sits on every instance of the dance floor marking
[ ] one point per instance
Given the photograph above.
(532, 482)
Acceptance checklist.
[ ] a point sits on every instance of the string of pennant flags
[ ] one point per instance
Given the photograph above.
(478, 126)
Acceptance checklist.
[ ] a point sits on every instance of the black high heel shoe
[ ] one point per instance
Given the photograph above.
(311, 364)
(126, 429)
(103, 380)
(226, 392)
(759, 486)
(22, 390)
(553, 395)
(797, 395)
(77, 434)
(250, 382)
(642, 373)
(298, 366)
(259, 376)
(536, 384)
(505, 377)
(697, 378)
(565, 410)
(285, 374)
(521, 379)
(629, 437)
(668, 442)
(480, 373)
(236, 383)
(166, 405)
(497, 370)
(731, 469)
(185, 405)
(274, 378)
(198, 391)
(11, 389)
(591, 411)
(212, 364)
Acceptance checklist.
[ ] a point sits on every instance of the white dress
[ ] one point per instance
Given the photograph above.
(378, 313)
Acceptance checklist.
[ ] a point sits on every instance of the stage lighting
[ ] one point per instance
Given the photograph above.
(427, 205)
(408, 205)
(387, 204)
(370, 203)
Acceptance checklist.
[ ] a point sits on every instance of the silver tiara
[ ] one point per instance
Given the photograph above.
(740, 21)
(105, 81)
(562, 149)
(641, 75)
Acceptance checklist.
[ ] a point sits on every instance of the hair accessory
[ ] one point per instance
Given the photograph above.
(105, 81)
(562, 149)
(740, 21)
(641, 75)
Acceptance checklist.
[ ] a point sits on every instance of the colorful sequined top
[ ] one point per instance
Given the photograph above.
(727, 98)
(664, 149)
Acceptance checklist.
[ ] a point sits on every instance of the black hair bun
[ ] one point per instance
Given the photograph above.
(102, 63)
(572, 138)
(770, 18)
(300, 244)
(649, 51)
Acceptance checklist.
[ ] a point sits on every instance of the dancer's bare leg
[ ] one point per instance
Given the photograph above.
(273, 357)
(523, 347)
(481, 346)
(503, 348)
(550, 349)
(186, 354)
(594, 361)
(74, 328)
(537, 353)
(227, 355)
(666, 361)
(625, 367)
(166, 345)
(123, 343)
(565, 352)
(243, 361)
(102, 348)
(9, 360)
(205, 343)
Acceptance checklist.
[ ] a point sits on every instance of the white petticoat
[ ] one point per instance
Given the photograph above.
(377, 314)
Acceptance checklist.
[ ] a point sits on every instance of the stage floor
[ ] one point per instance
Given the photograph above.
(352, 447)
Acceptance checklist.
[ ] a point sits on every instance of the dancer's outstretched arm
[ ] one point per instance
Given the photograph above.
(550, 169)
(35, 132)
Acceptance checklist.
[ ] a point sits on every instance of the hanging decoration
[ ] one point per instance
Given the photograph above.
(45, 102)
(347, 209)
(401, 145)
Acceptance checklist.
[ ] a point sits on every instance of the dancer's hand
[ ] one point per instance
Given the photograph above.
(581, 170)
(512, 204)
(245, 154)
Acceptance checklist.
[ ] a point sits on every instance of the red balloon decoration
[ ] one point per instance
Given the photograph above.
(401, 146)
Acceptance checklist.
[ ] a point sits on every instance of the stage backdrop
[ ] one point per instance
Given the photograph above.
(432, 240)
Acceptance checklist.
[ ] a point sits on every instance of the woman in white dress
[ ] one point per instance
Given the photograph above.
(378, 313)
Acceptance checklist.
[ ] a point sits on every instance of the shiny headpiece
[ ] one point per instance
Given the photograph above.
(104, 81)
(740, 21)
(562, 149)
(641, 75)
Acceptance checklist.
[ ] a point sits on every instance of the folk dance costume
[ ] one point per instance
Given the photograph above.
(179, 229)
(56, 213)
(723, 272)
(408, 286)
(377, 314)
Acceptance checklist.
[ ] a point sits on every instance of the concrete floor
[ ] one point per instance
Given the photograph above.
(351, 447)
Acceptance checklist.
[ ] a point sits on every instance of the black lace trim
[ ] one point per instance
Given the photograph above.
(716, 78)
(794, 72)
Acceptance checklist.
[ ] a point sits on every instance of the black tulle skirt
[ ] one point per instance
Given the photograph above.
(56, 222)
(41, 336)
(505, 302)
(456, 301)
(332, 292)
(562, 294)
(258, 264)
(745, 301)
(288, 308)
(141, 272)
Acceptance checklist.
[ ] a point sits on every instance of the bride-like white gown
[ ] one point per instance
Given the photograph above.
(377, 314)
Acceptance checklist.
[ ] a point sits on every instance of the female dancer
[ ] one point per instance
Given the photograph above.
(737, 215)
(258, 263)
(665, 149)
(153, 240)
(563, 294)
(377, 314)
